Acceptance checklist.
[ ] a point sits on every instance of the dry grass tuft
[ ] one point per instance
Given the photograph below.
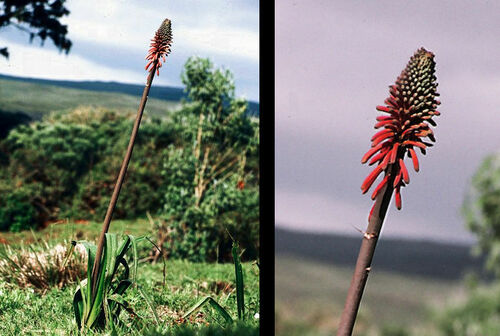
(42, 266)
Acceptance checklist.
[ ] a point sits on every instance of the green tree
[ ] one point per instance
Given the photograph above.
(477, 316)
(38, 18)
(213, 174)
(481, 210)
(479, 313)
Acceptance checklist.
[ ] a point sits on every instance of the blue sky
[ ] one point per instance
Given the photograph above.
(111, 38)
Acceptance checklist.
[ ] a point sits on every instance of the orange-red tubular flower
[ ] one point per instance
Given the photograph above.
(160, 46)
(410, 107)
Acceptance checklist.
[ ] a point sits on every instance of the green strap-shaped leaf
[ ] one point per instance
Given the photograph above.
(214, 304)
(150, 303)
(240, 290)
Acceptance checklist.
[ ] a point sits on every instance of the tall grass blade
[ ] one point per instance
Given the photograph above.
(240, 289)
(214, 304)
(149, 302)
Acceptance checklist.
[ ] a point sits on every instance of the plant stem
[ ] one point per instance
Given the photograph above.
(365, 256)
(119, 181)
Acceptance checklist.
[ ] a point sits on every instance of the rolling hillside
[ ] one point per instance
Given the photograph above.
(26, 99)
(410, 257)
(162, 93)
(410, 283)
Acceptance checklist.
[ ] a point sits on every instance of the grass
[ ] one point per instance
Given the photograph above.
(76, 230)
(28, 312)
(310, 297)
(37, 100)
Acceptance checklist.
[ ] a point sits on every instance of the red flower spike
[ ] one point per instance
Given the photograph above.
(379, 157)
(382, 138)
(397, 197)
(370, 153)
(382, 118)
(394, 153)
(380, 186)
(404, 171)
(409, 110)
(380, 133)
(383, 109)
(160, 46)
(397, 180)
(414, 159)
(371, 212)
(386, 159)
(371, 178)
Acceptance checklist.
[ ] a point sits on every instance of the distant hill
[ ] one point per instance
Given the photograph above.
(424, 258)
(173, 94)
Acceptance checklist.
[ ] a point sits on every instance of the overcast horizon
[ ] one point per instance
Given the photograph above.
(334, 62)
(111, 39)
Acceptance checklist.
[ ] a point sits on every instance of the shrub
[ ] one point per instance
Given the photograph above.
(16, 210)
(66, 166)
(212, 180)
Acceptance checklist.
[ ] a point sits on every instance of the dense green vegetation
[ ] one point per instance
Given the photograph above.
(191, 190)
(479, 313)
(195, 168)
(26, 310)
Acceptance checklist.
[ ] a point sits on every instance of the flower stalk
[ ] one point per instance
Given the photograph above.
(410, 107)
(160, 48)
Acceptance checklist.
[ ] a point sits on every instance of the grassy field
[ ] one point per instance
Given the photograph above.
(36, 100)
(25, 311)
(310, 297)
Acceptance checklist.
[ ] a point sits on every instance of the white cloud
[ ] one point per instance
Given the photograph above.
(23, 62)
(131, 25)
(220, 40)
(224, 31)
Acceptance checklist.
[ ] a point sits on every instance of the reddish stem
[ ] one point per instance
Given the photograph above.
(366, 252)
(119, 182)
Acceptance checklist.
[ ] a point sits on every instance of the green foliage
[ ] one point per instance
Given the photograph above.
(66, 165)
(240, 288)
(103, 308)
(24, 312)
(481, 210)
(394, 330)
(213, 176)
(478, 315)
(198, 169)
(38, 18)
(211, 330)
(16, 210)
(240, 293)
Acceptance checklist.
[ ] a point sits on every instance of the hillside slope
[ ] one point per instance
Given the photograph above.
(157, 92)
(410, 257)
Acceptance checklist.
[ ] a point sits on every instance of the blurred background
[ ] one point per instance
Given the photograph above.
(436, 264)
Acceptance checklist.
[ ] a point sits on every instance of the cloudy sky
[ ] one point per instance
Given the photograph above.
(334, 62)
(111, 38)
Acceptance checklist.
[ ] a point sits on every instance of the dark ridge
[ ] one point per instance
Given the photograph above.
(158, 92)
(409, 257)
(9, 120)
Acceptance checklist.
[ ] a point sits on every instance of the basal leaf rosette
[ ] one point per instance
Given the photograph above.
(405, 125)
